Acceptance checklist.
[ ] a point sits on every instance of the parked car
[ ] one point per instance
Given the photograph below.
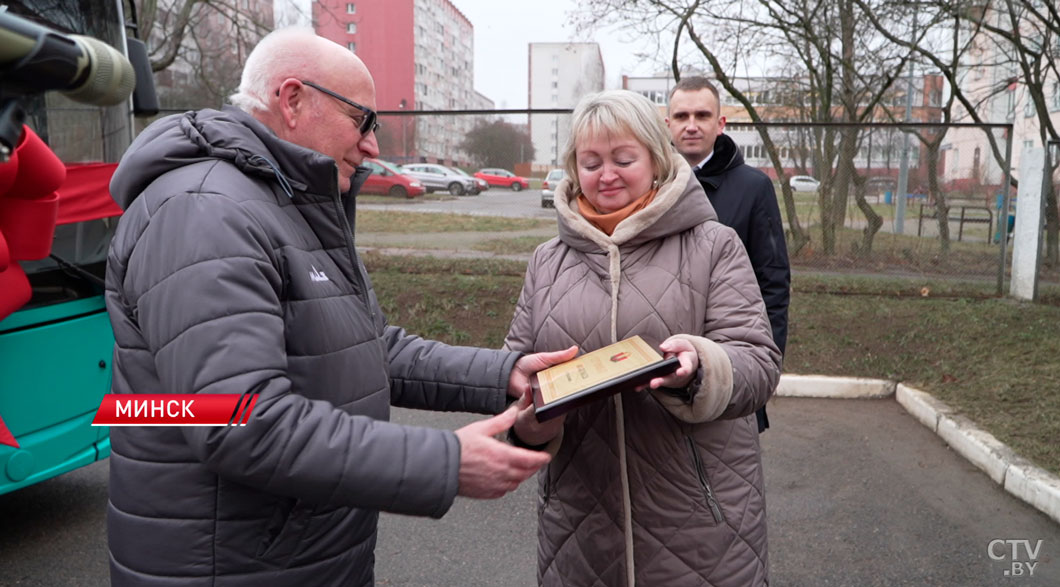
(548, 187)
(479, 183)
(803, 183)
(439, 177)
(503, 178)
(389, 180)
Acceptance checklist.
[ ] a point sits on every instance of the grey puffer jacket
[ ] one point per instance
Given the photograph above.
(665, 487)
(233, 270)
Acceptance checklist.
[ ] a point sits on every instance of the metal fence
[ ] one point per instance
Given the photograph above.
(920, 200)
(924, 201)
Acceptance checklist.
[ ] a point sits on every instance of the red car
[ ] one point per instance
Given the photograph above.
(503, 178)
(388, 180)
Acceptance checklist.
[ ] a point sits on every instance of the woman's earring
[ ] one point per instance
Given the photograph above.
(655, 182)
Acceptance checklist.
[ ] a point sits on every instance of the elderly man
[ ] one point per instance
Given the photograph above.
(234, 270)
(742, 196)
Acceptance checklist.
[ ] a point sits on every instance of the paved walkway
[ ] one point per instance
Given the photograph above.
(1035, 486)
(858, 494)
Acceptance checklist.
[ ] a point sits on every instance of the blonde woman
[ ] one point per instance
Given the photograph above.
(664, 486)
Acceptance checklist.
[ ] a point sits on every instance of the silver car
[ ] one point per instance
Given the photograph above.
(480, 184)
(548, 187)
(439, 177)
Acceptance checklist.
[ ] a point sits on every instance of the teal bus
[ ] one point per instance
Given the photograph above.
(56, 349)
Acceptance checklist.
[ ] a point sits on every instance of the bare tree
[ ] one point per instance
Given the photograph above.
(1019, 37)
(498, 144)
(1029, 34)
(203, 43)
(950, 41)
(846, 74)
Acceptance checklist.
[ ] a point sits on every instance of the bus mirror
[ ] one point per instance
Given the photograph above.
(145, 100)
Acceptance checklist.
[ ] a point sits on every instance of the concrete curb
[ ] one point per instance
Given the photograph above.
(833, 387)
(1018, 476)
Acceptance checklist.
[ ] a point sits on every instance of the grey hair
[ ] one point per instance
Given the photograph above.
(620, 112)
(273, 59)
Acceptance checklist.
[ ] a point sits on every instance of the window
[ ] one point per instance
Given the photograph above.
(351, 8)
(656, 96)
(1056, 96)
(936, 97)
(1028, 106)
(351, 27)
(352, 46)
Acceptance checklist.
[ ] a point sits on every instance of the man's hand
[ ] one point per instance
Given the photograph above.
(519, 382)
(490, 468)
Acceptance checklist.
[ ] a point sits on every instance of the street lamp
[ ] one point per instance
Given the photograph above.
(404, 127)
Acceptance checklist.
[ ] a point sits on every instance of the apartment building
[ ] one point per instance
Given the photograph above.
(559, 75)
(421, 54)
(994, 82)
(784, 100)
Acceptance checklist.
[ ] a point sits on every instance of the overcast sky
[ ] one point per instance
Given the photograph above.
(503, 31)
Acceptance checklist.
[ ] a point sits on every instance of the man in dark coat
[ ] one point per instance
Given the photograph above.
(742, 196)
(234, 271)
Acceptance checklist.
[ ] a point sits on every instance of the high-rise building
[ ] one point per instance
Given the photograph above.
(421, 54)
(560, 74)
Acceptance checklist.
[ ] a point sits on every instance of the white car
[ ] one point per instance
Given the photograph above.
(803, 183)
(548, 187)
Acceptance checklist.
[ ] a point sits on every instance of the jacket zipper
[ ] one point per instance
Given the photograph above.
(548, 481)
(704, 483)
(347, 235)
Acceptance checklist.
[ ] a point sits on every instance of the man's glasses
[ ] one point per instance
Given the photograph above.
(369, 122)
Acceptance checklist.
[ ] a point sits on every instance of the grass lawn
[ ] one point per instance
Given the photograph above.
(994, 360)
(511, 246)
(418, 222)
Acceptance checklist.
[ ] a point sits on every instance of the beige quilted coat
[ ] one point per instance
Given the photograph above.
(653, 489)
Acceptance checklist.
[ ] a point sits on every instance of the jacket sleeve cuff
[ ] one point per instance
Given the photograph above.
(551, 447)
(711, 397)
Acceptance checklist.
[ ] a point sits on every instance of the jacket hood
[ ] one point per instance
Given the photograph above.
(679, 205)
(726, 156)
(229, 135)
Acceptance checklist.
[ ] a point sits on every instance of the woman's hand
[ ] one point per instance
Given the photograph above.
(689, 363)
(528, 429)
(527, 365)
